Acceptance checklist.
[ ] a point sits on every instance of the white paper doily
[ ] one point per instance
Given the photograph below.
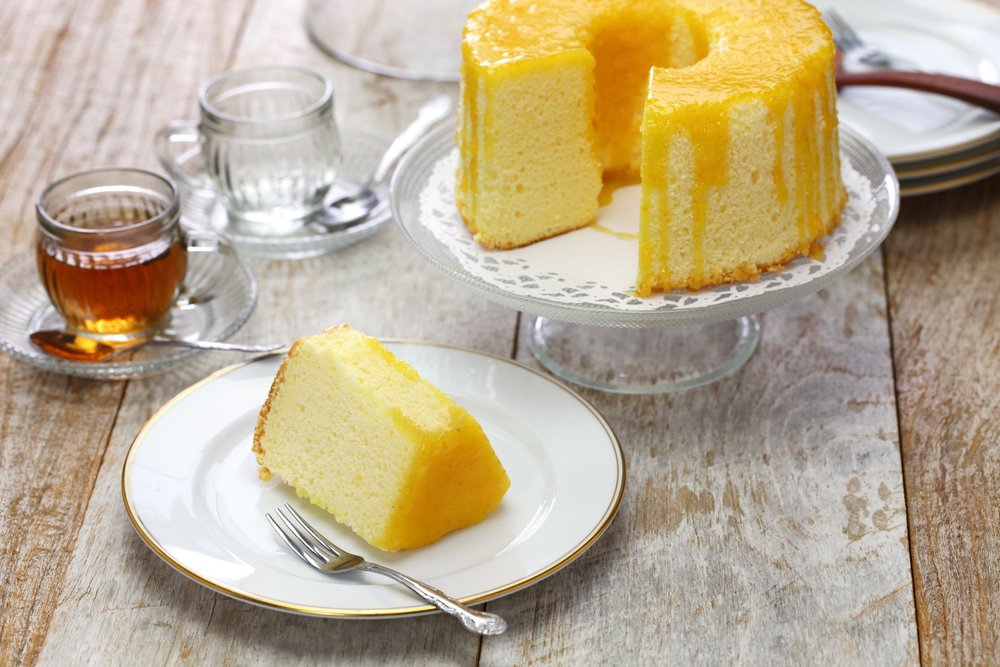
(588, 276)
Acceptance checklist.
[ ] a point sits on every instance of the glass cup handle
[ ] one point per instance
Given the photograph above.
(179, 133)
(203, 241)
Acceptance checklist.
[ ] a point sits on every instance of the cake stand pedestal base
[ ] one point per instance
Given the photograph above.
(643, 361)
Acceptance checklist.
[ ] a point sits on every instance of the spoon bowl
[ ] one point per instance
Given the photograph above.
(72, 347)
(351, 208)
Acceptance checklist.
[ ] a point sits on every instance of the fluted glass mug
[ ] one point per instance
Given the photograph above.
(269, 144)
(111, 252)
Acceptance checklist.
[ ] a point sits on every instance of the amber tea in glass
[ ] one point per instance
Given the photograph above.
(110, 251)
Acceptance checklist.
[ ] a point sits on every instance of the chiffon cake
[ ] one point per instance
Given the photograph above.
(357, 432)
(725, 110)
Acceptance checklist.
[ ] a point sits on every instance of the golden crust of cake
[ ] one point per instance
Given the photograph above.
(725, 108)
(357, 432)
(258, 431)
(501, 243)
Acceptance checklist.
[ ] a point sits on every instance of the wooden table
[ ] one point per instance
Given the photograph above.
(837, 501)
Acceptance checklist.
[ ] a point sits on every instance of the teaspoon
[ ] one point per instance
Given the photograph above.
(359, 204)
(66, 345)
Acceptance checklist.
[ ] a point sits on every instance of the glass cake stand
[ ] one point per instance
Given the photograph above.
(588, 327)
(406, 39)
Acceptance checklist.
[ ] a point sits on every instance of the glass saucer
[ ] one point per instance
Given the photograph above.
(585, 279)
(360, 153)
(218, 296)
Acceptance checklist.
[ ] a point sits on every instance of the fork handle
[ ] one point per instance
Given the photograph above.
(981, 94)
(481, 622)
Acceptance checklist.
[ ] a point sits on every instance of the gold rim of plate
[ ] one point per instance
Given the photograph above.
(609, 513)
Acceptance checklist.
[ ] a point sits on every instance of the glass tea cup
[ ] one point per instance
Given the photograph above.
(111, 253)
(269, 143)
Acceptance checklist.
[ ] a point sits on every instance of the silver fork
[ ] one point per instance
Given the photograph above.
(325, 556)
(858, 50)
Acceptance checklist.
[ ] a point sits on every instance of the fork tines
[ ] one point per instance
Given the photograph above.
(850, 42)
(301, 537)
(843, 34)
(315, 534)
(324, 555)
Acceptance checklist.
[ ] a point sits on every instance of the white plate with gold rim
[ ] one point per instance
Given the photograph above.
(943, 168)
(950, 180)
(958, 37)
(190, 487)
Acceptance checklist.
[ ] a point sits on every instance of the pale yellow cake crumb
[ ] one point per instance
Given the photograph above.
(359, 433)
(725, 109)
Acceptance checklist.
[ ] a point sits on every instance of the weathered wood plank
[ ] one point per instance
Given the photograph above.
(943, 260)
(54, 431)
(82, 82)
(764, 518)
(121, 603)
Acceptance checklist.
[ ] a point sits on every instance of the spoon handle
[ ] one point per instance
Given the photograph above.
(430, 113)
(974, 92)
(214, 345)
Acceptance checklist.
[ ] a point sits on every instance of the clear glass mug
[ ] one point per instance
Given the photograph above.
(269, 144)
(111, 252)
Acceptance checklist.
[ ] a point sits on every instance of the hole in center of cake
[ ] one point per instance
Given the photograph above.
(626, 44)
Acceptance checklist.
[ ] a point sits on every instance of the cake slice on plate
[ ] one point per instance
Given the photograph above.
(359, 433)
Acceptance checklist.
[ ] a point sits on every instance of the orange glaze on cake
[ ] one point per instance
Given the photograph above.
(724, 108)
(357, 431)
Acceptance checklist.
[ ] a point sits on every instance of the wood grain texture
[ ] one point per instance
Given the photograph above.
(82, 88)
(764, 518)
(943, 259)
(120, 602)
(54, 432)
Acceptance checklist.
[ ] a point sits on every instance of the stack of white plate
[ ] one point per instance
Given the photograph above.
(934, 143)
